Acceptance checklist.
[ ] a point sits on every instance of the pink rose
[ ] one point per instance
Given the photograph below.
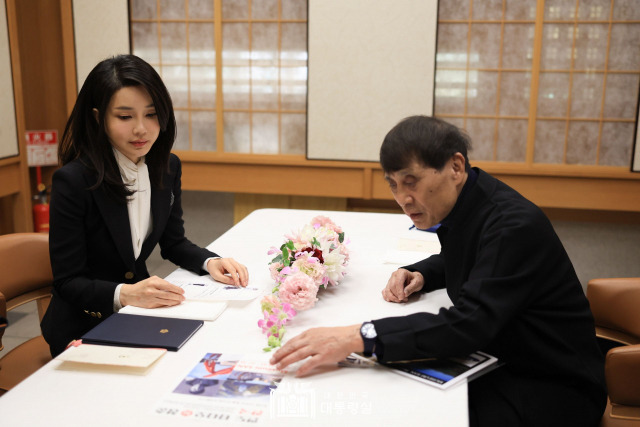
(299, 290)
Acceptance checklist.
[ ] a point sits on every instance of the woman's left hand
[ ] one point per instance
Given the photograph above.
(229, 271)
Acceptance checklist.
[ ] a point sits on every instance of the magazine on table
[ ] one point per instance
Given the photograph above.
(440, 373)
(223, 387)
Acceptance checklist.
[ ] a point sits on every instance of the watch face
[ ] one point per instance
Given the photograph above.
(368, 330)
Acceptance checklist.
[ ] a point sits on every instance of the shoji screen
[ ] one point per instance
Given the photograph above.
(371, 63)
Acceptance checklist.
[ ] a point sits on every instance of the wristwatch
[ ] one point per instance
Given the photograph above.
(368, 334)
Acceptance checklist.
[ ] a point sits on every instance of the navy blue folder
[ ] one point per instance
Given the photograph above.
(130, 330)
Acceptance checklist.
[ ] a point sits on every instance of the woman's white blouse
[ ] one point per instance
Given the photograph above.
(136, 177)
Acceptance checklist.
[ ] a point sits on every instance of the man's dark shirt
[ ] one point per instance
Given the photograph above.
(515, 294)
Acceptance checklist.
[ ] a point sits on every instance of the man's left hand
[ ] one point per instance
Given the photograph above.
(323, 346)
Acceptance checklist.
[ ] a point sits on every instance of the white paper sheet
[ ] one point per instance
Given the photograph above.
(412, 246)
(210, 289)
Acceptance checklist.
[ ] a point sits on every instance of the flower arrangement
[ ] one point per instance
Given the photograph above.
(313, 258)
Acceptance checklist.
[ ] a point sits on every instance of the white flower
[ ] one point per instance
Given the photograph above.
(334, 263)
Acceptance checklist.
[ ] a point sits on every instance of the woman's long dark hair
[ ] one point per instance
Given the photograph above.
(85, 138)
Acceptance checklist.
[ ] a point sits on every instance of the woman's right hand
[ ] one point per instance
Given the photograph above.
(151, 293)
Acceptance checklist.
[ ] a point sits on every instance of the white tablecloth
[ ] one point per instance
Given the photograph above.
(345, 396)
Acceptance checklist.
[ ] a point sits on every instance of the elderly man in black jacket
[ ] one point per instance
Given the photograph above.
(515, 293)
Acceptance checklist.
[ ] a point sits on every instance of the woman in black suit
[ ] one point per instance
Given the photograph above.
(115, 197)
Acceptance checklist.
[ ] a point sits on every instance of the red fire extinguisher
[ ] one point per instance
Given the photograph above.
(41, 207)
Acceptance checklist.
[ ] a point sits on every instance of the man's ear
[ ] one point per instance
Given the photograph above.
(95, 114)
(458, 163)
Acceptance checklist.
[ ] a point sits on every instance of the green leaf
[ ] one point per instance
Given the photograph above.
(276, 259)
(341, 237)
(273, 342)
(266, 349)
(291, 246)
(314, 242)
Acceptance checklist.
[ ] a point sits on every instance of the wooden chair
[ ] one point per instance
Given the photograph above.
(25, 275)
(615, 304)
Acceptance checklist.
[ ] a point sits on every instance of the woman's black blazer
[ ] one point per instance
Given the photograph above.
(91, 250)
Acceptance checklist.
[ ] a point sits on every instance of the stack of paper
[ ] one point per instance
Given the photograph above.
(197, 310)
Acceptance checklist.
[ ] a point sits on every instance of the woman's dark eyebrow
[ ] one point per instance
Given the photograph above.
(124, 107)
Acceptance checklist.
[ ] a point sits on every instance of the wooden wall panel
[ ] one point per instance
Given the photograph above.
(268, 179)
(244, 204)
(365, 181)
(578, 193)
(11, 178)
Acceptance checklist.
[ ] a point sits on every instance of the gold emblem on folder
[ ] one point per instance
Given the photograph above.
(164, 331)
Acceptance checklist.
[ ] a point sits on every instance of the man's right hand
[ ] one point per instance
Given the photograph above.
(401, 284)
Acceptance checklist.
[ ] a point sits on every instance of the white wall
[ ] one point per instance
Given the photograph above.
(8, 130)
(101, 30)
(371, 64)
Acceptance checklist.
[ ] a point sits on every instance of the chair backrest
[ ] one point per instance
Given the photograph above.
(615, 304)
(25, 272)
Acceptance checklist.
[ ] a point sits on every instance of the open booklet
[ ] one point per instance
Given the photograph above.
(440, 373)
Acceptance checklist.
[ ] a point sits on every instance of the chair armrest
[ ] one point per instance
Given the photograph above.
(614, 303)
(622, 372)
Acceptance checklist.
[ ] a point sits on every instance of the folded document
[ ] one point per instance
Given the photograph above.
(127, 330)
(128, 360)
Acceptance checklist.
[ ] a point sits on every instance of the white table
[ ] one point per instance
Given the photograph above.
(345, 396)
